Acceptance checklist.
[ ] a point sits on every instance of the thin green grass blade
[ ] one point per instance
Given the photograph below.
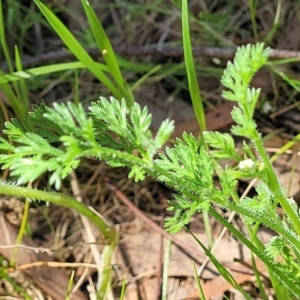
(282, 61)
(107, 51)
(12, 99)
(22, 231)
(209, 30)
(17, 288)
(223, 272)
(280, 290)
(103, 43)
(75, 47)
(9, 92)
(76, 89)
(285, 281)
(285, 147)
(200, 289)
(3, 40)
(253, 230)
(276, 23)
(70, 286)
(194, 91)
(22, 83)
(123, 289)
(145, 77)
(190, 68)
(44, 70)
(253, 12)
(258, 279)
(295, 83)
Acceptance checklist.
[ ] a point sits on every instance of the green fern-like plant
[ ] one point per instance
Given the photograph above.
(56, 139)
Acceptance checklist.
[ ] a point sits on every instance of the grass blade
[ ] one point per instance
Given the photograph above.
(22, 84)
(194, 90)
(201, 292)
(190, 68)
(44, 70)
(106, 49)
(223, 272)
(123, 289)
(284, 280)
(75, 47)
(11, 93)
(16, 287)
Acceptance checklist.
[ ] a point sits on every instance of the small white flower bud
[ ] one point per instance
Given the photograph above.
(246, 164)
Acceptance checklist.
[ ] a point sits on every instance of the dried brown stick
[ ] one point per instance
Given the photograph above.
(169, 51)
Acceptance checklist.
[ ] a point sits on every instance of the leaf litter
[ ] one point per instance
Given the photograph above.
(139, 257)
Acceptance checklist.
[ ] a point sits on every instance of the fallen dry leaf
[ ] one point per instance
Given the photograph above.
(52, 281)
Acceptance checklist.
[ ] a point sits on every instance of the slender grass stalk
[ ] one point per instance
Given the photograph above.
(194, 92)
(104, 282)
(76, 48)
(122, 295)
(76, 88)
(258, 280)
(145, 77)
(22, 231)
(16, 287)
(108, 54)
(44, 70)
(70, 285)
(293, 82)
(275, 25)
(190, 69)
(209, 30)
(285, 147)
(253, 11)
(200, 289)
(221, 269)
(12, 92)
(272, 268)
(3, 40)
(22, 84)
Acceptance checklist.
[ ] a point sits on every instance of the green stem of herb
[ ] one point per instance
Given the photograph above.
(107, 252)
(153, 170)
(58, 199)
(274, 185)
(272, 267)
(274, 224)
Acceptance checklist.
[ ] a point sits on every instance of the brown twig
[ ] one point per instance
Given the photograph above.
(188, 250)
(200, 51)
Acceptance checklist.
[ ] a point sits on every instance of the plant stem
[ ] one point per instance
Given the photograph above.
(109, 232)
(61, 200)
(107, 252)
(275, 186)
(261, 255)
